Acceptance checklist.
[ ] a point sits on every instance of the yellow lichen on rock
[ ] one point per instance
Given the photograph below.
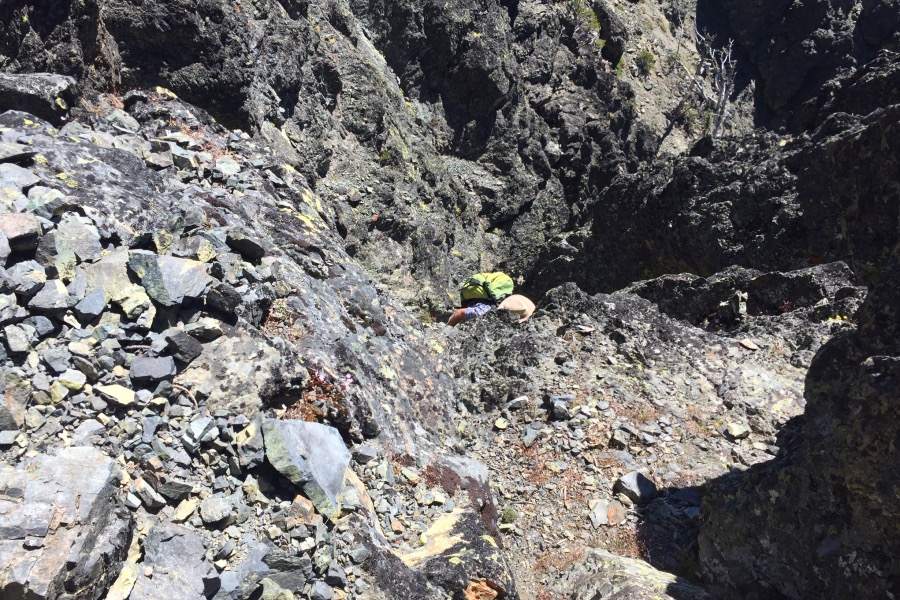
(440, 538)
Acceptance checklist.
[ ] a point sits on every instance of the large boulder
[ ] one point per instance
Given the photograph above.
(241, 372)
(61, 527)
(311, 455)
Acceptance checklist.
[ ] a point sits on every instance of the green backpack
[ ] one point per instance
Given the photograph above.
(493, 287)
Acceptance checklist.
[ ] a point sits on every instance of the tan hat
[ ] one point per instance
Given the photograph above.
(518, 305)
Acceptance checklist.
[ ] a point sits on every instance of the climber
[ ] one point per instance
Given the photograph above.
(484, 291)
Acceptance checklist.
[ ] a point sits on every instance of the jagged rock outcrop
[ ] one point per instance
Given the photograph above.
(180, 295)
(828, 503)
(768, 202)
(798, 49)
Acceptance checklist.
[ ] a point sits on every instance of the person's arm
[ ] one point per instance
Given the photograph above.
(457, 317)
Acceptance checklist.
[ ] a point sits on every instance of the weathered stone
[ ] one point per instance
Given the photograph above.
(52, 297)
(117, 394)
(27, 277)
(452, 533)
(15, 152)
(170, 280)
(109, 274)
(5, 250)
(223, 297)
(135, 304)
(321, 591)
(216, 509)
(19, 338)
(312, 456)
(246, 246)
(45, 202)
(737, 431)
(21, 230)
(183, 346)
(91, 306)
(227, 166)
(225, 378)
(72, 379)
(147, 494)
(243, 581)
(80, 235)
(602, 574)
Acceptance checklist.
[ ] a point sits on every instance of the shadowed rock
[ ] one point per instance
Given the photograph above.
(829, 504)
(179, 567)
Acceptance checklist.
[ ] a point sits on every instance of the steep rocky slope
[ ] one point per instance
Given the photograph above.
(225, 243)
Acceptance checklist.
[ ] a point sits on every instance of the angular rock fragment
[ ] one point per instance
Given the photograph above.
(170, 280)
(52, 297)
(636, 487)
(145, 369)
(246, 246)
(91, 306)
(239, 373)
(21, 230)
(15, 152)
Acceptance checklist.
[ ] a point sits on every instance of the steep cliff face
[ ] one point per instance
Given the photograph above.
(800, 48)
(444, 135)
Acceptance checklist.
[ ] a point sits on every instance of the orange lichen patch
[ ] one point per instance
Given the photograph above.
(482, 589)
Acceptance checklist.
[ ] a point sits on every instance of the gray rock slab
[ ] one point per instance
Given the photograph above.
(91, 306)
(109, 274)
(636, 487)
(226, 377)
(27, 277)
(247, 246)
(17, 178)
(52, 297)
(45, 202)
(81, 236)
(66, 505)
(177, 556)
(312, 456)
(15, 393)
(184, 347)
(5, 249)
(242, 581)
(216, 509)
(15, 152)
